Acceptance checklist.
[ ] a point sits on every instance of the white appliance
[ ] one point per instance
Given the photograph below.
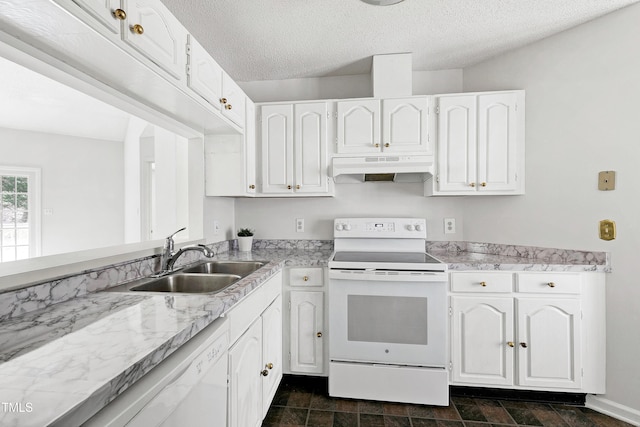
(400, 168)
(189, 388)
(387, 313)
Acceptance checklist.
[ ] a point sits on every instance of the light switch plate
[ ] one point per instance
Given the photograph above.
(607, 180)
(607, 229)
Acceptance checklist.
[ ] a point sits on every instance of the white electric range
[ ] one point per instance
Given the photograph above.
(387, 313)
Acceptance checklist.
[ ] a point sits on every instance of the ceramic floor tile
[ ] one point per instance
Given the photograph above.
(320, 418)
(345, 419)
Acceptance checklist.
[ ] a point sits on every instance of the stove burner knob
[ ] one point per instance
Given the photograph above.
(339, 227)
(419, 227)
(347, 227)
(410, 227)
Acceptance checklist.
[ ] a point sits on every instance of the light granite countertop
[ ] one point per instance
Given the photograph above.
(65, 362)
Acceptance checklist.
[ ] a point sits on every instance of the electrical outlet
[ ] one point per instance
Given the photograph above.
(449, 226)
(300, 225)
(216, 226)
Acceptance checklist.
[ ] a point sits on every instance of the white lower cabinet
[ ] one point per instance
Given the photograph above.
(255, 357)
(544, 334)
(304, 327)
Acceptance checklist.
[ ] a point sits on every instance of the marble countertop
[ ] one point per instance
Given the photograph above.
(61, 364)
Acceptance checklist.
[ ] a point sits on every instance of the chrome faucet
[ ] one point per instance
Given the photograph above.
(169, 256)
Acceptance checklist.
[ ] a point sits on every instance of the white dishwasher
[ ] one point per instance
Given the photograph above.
(189, 388)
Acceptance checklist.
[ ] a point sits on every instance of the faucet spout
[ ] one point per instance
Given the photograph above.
(174, 256)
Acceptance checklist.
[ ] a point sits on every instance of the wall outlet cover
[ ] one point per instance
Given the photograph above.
(449, 226)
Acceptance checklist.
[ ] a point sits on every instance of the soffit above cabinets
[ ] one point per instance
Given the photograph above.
(284, 39)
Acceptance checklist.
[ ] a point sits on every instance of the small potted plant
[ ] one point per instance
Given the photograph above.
(245, 239)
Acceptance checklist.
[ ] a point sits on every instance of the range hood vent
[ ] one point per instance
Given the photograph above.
(382, 168)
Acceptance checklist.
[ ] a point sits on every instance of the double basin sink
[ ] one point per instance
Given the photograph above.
(208, 277)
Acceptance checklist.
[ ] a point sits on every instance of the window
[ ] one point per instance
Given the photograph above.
(19, 225)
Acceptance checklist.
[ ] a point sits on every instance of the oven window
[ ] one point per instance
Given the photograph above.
(386, 319)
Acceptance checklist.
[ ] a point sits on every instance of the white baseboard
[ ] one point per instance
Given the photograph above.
(613, 409)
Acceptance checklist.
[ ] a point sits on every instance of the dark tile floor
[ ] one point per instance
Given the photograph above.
(304, 401)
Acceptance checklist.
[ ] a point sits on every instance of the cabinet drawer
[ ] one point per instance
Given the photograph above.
(311, 276)
(479, 281)
(549, 283)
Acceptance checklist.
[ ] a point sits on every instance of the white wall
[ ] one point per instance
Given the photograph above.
(582, 88)
(221, 209)
(82, 184)
(340, 87)
(275, 218)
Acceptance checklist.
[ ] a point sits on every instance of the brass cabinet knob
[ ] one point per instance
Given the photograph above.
(319, 334)
(223, 100)
(120, 14)
(511, 344)
(473, 184)
(377, 145)
(137, 29)
(252, 187)
(551, 284)
(483, 284)
(484, 184)
(228, 107)
(298, 187)
(264, 372)
(305, 278)
(523, 344)
(386, 145)
(269, 365)
(288, 187)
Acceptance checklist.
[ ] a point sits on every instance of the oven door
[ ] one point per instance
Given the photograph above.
(391, 317)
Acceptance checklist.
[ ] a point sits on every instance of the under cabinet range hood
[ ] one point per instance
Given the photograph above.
(382, 168)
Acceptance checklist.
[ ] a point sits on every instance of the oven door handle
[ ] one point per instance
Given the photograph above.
(388, 276)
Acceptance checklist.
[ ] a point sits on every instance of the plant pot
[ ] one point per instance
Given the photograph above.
(245, 243)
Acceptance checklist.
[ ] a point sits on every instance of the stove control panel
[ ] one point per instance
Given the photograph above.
(396, 228)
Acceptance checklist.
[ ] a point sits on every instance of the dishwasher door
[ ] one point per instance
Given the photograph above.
(189, 388)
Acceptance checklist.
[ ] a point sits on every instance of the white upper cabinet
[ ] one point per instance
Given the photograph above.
(388, 126)
(154, 32)
(204, 75)
(294, 149)
(106, 12)
(480, 144)
(232, 101)
(405, 125)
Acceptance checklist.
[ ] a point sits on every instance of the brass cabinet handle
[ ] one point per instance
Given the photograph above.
(223, 100)
(298, 187)
(288, 187)
(386, 145)
(376, 145)
(511, 344)
(120, 14)
(264, 372)
(269, 365)
(137, 29)
(252, 187)
(523, 344)
(228, 106)
(483, 284)
(484, 184)
(473, 184)
(551, 284)
(305, 278)
(319, 334)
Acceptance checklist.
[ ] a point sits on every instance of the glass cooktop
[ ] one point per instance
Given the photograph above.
(386, 257)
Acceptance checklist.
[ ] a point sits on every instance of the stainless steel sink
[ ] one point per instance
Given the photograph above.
(190, 283)
(241, 268)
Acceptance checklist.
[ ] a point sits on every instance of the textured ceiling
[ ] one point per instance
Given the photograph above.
(281, 39)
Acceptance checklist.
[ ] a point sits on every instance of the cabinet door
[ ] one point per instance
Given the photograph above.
(359, 126)
(549, 343)
(204, 75)
(481, 337)
(161, 37)
(250, 147)
(102, 11)
(245, 379)
(235, 98)
(310, 144)
(457, 143)
(307, 320)
(497, 145)
(405, 125)
(277, 148)
(271, 352)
